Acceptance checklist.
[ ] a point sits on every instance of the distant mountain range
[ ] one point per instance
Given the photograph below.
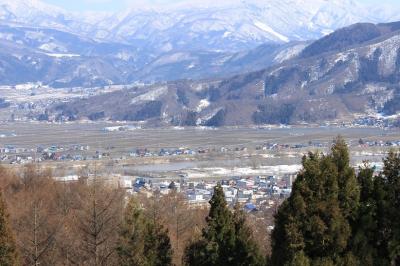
(199, 39)
(352, 72)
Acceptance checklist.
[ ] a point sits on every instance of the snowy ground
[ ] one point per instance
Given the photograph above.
(243, 171)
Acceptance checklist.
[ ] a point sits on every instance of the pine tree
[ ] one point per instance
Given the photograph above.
(143, 241)
(314, 224)
(8, 251)
(226, 240)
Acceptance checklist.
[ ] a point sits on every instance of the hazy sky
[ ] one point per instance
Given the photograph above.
(117, 5)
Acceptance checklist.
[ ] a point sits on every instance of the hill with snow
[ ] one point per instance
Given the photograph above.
(339, 81)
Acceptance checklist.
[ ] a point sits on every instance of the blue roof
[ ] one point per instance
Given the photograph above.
(250, 206)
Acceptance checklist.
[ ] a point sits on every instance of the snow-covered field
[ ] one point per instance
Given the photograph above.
(243, 171)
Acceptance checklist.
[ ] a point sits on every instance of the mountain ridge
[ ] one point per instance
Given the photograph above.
(137, 40)
(332, 85)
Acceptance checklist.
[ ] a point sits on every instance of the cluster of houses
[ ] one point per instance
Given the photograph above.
(378, 143)
(277, 146)
(19, 155)
(162, 152)
(254, 193)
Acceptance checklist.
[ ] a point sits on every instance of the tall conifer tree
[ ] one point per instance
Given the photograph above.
(391, 175)
(314, 224)
(226, 240)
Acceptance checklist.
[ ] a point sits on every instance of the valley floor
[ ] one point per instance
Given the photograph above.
(196, 152)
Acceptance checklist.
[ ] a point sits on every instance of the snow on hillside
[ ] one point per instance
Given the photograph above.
(151, 95)
(190, 39)
(205, 24)
(268, 29)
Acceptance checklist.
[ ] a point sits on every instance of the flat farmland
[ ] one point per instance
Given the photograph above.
(31, 135)
(239, 158)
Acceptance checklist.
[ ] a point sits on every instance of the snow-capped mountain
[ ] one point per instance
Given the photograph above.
(191, 39)
(237, 25)
(203, 25)
(339, 81)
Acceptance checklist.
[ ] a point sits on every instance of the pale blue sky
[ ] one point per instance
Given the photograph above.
(117, 5)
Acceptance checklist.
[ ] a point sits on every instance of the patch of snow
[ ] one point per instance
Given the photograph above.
(326, 31)
(172, 58)
(123, 55)
(222, 60)
(268, 29)
(373, 88)
(205, 128)
(27, 86)
(151, 95)
(203, 104)
(289, 53)
(267, 155)
(52, 47)
(63, 55)
(211, 115)
(387, 60)
(226, 34)
(199, 87)
(341, 57)
(245, 171)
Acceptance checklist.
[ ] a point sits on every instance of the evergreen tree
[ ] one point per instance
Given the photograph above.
(376, 231)
(314, 224)
(246, 250)
(349, 190)
(366, 224)
(370, 230)
(218, 238)
(142, 241)
(157, 246)
(226, 240)
(8, 251)
(196, 253)
(131, 241)
(391, 175)
(299, 259)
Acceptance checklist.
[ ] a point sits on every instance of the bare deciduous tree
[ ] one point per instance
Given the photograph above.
(98, 221)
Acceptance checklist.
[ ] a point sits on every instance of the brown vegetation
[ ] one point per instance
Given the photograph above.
(78, 223)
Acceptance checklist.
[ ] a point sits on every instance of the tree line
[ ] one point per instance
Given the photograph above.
(335, 215)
